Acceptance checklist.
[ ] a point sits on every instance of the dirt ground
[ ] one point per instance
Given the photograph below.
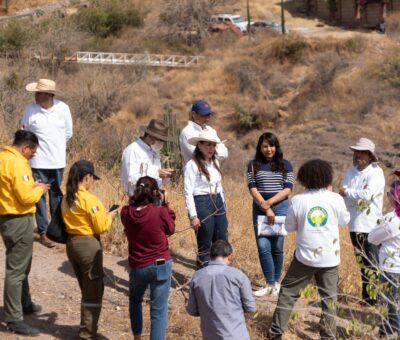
(54, 287)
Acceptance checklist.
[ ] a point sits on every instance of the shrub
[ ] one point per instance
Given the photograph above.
(13, 37)
(291, 47)
(187, 20)
(326, 66)
(247, 75)
(354, 44)
(108, 19)
(246, 119)
(388, 71)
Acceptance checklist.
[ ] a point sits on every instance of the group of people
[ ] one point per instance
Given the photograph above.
(218, 293)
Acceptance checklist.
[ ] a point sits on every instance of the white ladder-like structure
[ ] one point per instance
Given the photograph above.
(138, 59)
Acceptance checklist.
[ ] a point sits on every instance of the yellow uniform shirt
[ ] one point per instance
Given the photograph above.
(88, 216)
(18, 194)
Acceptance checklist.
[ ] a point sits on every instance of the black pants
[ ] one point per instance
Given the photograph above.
(367, 257)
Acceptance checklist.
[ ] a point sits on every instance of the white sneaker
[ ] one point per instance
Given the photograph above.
(277, 288)
(268, 290)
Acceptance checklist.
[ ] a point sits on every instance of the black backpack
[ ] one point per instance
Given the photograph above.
(56, 230)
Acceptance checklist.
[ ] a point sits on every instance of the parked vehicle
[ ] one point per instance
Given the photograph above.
(267, 24)
(233, 19)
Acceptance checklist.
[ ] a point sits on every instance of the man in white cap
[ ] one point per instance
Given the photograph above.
(200, 115)
(142, 157)
(363, 189)
(50, 120)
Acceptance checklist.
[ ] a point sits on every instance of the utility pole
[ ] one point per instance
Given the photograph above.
(283, 26)
(248, 19)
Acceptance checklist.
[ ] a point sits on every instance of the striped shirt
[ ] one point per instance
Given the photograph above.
(267, 182)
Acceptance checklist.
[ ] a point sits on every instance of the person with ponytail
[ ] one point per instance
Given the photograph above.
(204, 195)
(387, 235)
(85, 218)
(148, 221)
(270, 181)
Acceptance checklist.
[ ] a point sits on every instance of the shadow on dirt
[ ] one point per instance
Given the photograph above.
(46, 323)
(110, 280)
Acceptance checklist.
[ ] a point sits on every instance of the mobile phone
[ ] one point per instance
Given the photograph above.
(113, 207)
(50, 181)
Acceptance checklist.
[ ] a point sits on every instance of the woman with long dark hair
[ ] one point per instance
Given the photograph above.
(270, 181)
(148, 221)
(86, 218)
(204, 195)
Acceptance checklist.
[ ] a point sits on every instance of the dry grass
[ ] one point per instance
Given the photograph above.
(241, 235)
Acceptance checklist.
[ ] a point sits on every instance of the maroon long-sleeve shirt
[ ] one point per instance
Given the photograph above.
(147, 230)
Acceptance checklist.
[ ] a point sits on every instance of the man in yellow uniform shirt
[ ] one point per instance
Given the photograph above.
(18, 196)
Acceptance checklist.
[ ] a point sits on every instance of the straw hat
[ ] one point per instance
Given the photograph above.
(43, 85)
(365, 144)
(205, 136)
(157, 129)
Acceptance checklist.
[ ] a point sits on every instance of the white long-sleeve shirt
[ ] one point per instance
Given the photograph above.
(138, 160)
(387, 234)
(53, 127)
(364, 197)
(316, 215)
(196, 183)
(192, 129)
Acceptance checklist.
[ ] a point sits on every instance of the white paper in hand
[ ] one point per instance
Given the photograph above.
(276, 229)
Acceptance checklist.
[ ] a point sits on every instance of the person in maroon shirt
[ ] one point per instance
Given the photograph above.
(148, 221)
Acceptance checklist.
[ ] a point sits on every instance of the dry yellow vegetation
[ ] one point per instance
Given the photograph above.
(318, 94)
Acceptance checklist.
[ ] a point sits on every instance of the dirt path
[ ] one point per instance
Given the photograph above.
(54, 287)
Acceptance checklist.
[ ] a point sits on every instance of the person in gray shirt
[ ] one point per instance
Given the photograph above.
(220, 295)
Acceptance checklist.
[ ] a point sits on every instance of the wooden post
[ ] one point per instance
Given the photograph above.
(283, 26)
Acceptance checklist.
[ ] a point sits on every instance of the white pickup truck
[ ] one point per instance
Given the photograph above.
(233, 19)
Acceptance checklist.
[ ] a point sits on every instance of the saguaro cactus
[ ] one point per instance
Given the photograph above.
(171, 153)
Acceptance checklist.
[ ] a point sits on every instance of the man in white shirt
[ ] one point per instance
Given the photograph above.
(363, 189)
(50, 120)
(142, 157)
(200, 115)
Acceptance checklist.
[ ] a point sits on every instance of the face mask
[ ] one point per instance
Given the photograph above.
(157, 146)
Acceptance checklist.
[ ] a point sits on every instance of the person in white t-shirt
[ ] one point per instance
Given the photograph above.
(200, 114)
(142, 157)
(204, 195)
(50, 120)
(387, 235)
(363, 190)
(315, 216)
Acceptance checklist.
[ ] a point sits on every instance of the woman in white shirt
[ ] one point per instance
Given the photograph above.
(315, 215)
(204, 195)
(387, 235)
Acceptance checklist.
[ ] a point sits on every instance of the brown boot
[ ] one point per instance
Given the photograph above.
(44, 240)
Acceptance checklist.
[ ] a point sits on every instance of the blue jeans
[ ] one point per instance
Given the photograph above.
(391, 324)
(270, 248)
(214, 225)
(159, 279)
(55, 195)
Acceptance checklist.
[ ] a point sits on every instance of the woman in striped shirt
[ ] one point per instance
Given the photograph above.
(270, 181)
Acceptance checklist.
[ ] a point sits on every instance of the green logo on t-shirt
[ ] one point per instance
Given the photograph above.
(317, 217)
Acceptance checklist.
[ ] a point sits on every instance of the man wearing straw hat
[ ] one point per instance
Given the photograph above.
(200, 114)
(142, 157)
(363, 189)
(50, 120)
